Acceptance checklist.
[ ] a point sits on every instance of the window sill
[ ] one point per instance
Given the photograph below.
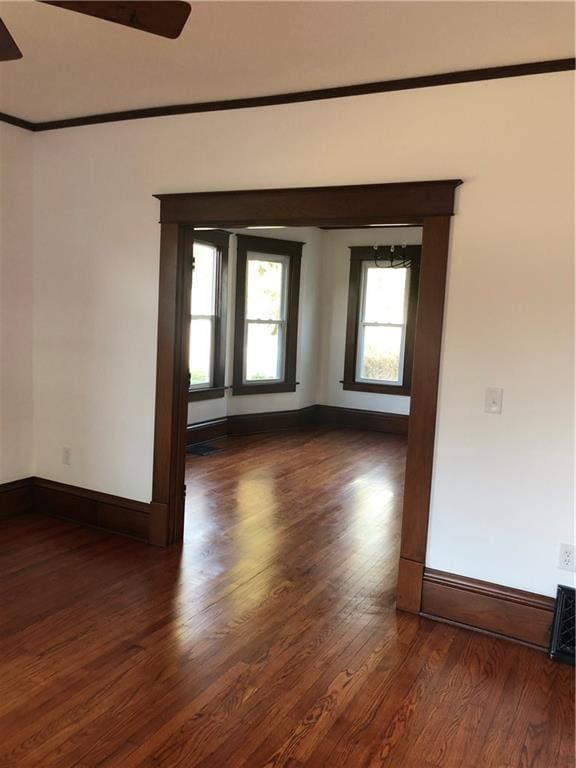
(264, 389)
(379, 389)
(210, 393)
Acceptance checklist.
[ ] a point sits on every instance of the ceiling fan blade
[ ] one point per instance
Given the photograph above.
(159, 17)
(8, 48)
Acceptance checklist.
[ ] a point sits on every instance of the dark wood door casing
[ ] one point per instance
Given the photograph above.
(167, 508)
(429, 204)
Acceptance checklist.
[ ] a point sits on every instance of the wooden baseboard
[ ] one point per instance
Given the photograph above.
(206, 430)
(102, 510)
(249, 424)
(16, 498)
(313, 415)
(275, 421)
(481, 605)
(373, 421)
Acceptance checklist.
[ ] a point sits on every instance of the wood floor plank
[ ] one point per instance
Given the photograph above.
(269, 639)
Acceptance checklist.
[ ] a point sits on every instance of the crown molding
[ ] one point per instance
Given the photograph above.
(319, 94)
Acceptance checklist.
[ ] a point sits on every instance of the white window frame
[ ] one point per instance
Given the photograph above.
(282, 323)
(211, 318)
(362, 325)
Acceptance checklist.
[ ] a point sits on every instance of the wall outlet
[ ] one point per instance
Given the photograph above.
(67, 456)
(493, 399)
(567, 559)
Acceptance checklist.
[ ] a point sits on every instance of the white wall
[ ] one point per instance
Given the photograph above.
(501, 498)
(16, 306)
(308, 335)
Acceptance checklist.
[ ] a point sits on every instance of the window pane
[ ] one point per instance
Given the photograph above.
(263, 351)
(203, 279)
(200, 352)
(384, 298)
(264, 289)
(381, 354)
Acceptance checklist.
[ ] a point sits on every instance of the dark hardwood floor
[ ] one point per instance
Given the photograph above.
(269, 639)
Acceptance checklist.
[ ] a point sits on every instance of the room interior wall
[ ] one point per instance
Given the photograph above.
(16, 304)
(321, 326)
(502, 485)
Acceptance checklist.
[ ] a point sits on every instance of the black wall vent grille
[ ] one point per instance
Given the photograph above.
(564, 628)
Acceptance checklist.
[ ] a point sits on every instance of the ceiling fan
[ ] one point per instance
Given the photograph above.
(159, 17)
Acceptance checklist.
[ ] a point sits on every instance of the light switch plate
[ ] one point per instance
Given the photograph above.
(493, 400)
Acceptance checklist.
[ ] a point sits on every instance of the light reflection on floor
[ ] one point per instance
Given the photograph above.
(247, 504)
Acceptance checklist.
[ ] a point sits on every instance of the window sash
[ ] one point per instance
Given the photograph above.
(216, 312)
(363, 324)
(281, 323)
(210, 382)
(284, 261)
(214, 277)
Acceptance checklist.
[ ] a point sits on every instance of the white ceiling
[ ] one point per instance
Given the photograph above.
(75, 65)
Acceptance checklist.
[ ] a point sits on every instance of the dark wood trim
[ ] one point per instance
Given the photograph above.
(171, 383)
(359, 255)
(16, 498)
(353, 313)
(274, 247)
(17, 121)
(409, 588)
(372, 227)
(313, 415)
(377, 389)
(426, 368)
(270, 245)
(313, 206)
(159, 513)
(210, 393)
(318, 94)
(413, 290)
(203, 431)
(254, 423)
(101, 510)
(180, 414)
(250, 424)
(493, 608)
(166, 367)
(268, 388)
(219, 239)
(355, 418)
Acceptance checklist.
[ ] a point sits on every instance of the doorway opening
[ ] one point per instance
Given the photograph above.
(300, 361)
(184, 218)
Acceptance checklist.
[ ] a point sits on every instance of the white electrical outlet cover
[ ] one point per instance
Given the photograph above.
(567, 557)
(493, 399)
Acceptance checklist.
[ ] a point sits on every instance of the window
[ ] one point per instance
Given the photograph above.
(382, 303)
(266, 332)
(207, 359)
